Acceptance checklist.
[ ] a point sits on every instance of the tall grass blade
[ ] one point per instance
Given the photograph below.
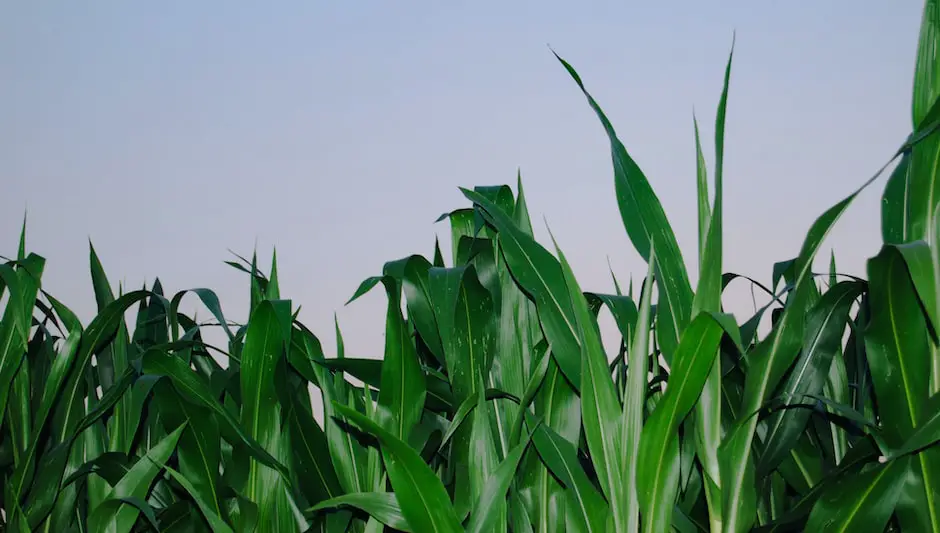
(708, 428)
(635, 394)
(646, 225)
(656, 479)
(600, 408)
(261, 412)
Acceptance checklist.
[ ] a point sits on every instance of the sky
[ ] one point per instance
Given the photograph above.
(169, 133)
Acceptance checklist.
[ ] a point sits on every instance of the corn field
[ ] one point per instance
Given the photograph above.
(496, 407)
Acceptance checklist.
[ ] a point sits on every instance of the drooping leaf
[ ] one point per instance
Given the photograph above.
(863, 502)
(383, 506)
(135, 484)
(539, 274)
(422, 497)
(560, 456)
(824, 330)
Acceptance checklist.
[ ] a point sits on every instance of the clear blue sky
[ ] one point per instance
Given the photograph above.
(170, 132)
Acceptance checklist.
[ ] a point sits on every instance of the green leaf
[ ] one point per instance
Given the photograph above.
(517, 334)
(209, 509)
(383, 506)
(439, 395)
(463, 309)
(635, 394)
(98, 333)
(767, 364)
(600, 409)
(918, 258)
(863, 502)
(61, 365)
(926, 88)
(265, 342)
(924, 436)
(646, 225)
(540, 275)
(423, 499)
(897, 345)
(558, 407)
(482, 459)
(403, 392)
(189, 384)
(622, 308)
(135, 484)
(536, 378)
(412, 273)
(894, 203)
(656, 477)
(18, 414)
(825, 326)
(198, 450)
(923, 186)
(701, 175)
(346, 453)
(310, 450)
(486, 510)
(898, 349)
(210, 300)
(561, 458)
(15, 324)
(708, 429)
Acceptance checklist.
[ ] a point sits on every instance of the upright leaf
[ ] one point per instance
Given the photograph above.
(656, 478)
(635, 394)
(403, 391)
(766, 365)
(646, 224)
(265, 341)
(898, 350)
(708, 428)
(600, 409)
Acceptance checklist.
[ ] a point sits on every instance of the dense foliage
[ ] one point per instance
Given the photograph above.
(495, 407)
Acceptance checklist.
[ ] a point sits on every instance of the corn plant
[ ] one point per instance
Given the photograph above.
(496, 407)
